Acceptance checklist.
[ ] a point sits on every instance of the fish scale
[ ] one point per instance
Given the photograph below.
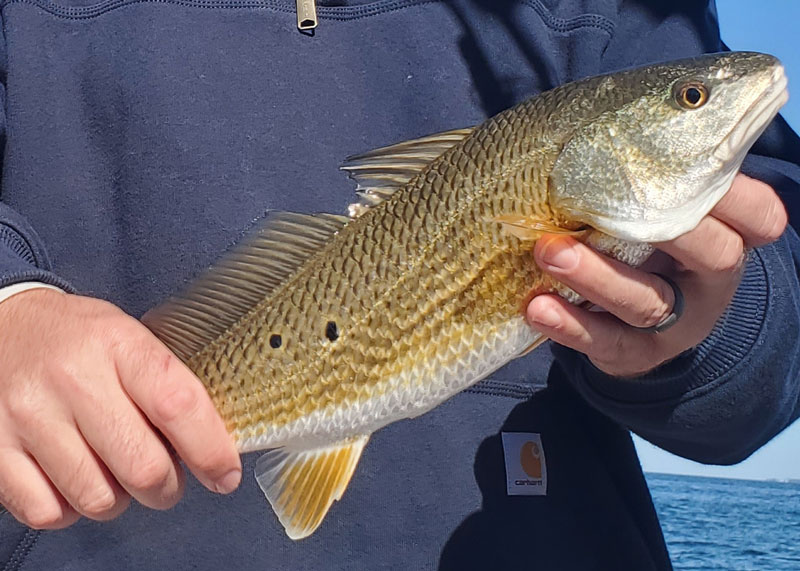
(319, 329)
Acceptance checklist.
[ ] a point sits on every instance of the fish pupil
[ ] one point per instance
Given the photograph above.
(693, 95)
(331, 331)
(275, 341)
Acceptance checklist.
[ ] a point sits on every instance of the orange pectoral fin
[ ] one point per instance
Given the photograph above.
(529, 228)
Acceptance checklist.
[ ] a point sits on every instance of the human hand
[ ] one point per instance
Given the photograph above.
(705, 263)
(86, 392)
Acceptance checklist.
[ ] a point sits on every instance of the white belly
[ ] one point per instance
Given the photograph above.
(405, 395)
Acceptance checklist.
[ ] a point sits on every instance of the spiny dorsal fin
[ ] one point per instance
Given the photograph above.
(380, 172)
(302, 485)
(240, 280)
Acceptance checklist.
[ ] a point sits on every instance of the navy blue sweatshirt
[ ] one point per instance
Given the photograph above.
(141, 138)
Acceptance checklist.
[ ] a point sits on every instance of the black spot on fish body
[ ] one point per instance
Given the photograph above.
(275, 341)
(331, 331)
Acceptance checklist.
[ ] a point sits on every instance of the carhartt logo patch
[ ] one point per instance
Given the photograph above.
(526, 469)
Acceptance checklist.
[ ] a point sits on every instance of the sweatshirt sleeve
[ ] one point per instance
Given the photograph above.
(722, 400)
(22, 255)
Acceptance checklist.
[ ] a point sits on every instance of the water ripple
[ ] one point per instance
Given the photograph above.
(716, 523)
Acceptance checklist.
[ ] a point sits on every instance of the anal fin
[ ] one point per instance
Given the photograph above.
(301, 485)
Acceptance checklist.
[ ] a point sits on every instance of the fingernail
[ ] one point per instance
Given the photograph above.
(546, 316)
(559, 253)
(228, 482)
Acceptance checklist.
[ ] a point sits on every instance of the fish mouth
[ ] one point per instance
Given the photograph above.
(736, 143)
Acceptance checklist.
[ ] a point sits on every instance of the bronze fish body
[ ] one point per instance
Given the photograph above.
(320, 329)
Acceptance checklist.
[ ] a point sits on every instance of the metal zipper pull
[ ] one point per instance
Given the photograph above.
(306, 14)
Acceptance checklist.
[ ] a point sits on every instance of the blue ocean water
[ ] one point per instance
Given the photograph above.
(724, 524)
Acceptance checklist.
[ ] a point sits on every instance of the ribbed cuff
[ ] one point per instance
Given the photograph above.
(10, 291)
(727, 347)
(22, 261)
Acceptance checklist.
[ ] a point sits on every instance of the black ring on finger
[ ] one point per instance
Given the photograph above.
(677, 308)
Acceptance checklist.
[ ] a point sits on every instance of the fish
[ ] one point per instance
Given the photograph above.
(319, 329)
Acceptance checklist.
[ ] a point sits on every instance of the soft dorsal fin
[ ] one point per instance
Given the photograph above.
(240, 280)
(302, 485)
(380, 172)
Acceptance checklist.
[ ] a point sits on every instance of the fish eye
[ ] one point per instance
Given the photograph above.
(691, 95)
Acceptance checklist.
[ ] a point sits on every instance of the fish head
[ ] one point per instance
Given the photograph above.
(667, 146)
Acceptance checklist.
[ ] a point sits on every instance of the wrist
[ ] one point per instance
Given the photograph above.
(10, 291)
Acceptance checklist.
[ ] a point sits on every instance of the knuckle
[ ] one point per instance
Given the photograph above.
(42, 515)
(643, 309)
(177, 400)
(24, 405)
(68, 379)
(127, 339)
(729, 254)
(151, 475)
(654, 316)
(133, 441)
(623, 304)
(775, 223)
(96, 502)
(655, 307)
(86, 490)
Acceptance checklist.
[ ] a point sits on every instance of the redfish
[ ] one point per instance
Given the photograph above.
(320, 329)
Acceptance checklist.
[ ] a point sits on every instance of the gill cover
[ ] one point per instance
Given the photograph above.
(651, 169)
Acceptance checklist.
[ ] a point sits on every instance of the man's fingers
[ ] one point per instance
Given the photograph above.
(711, 256)
(753, 210)
(28, 495)
(178, 405)
(73, 468)
(83, 396)
(638, 298)
(131, 450)
(712, 247)
(610, 344)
